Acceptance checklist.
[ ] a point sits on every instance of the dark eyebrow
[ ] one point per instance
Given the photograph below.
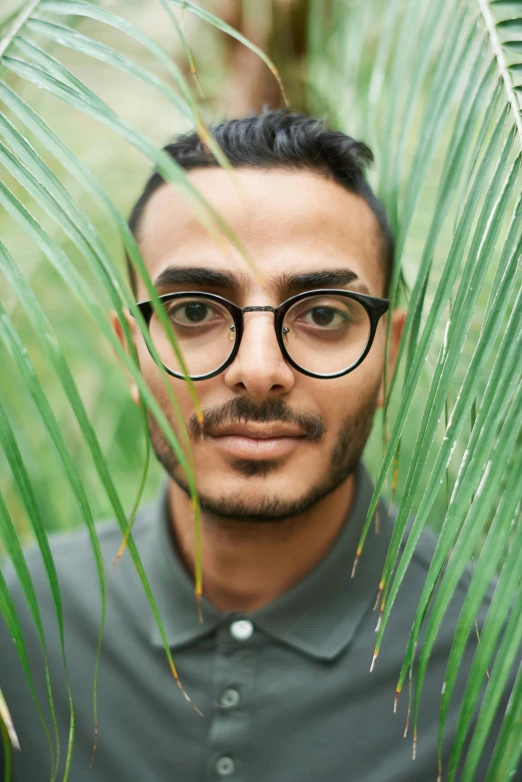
(295, 283)
(287, 284)
(196, 275)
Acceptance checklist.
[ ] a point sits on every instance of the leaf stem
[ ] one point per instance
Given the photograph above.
(499, 54)
(19, 22)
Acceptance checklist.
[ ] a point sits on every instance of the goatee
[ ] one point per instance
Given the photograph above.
(343, 460)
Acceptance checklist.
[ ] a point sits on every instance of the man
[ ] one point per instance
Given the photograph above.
(288, 362)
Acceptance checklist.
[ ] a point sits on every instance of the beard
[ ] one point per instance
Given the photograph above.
(342, 463)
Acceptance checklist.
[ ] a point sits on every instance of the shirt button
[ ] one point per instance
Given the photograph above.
(225, 767)
(242, 629)
(230, 698)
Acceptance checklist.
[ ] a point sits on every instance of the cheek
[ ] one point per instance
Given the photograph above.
(151, 372)
(346, 396)
(159, 385)
(348, 392)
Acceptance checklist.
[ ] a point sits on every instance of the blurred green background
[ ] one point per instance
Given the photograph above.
(325, 52)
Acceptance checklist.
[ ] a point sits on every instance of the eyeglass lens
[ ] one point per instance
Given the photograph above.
(323, 334)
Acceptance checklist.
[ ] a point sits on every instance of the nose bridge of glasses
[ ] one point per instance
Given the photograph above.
(258, 309)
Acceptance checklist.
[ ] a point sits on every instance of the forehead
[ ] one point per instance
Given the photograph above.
(290, 222)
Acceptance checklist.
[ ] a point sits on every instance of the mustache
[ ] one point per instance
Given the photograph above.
(242, 410)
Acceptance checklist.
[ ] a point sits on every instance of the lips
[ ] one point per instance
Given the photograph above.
(248, 441)
(265, 432)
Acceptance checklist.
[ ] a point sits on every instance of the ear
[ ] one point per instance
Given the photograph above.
(118, 330)
(398, 319)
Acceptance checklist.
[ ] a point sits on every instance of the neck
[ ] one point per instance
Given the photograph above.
(247, 565)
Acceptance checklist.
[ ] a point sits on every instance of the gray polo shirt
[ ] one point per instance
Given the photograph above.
(286, 691)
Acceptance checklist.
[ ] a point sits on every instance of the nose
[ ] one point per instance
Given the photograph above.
(259, 367)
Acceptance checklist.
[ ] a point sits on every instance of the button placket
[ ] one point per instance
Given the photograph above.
(230, 698)
(225, 766)
(241, 629)
(234, 678)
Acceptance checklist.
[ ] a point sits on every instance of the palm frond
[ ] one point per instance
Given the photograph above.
(23, 56)
(454, 101)
(442, 110)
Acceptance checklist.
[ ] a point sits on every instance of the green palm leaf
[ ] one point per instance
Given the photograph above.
(23, 57)
(462, 88)
(40, 182)
(463, 102)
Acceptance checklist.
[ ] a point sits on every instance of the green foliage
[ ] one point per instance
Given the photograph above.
(444, 117)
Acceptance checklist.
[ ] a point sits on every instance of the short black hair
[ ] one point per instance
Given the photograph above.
(279, 139)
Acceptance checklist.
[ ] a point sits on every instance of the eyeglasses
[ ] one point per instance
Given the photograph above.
(322, 333)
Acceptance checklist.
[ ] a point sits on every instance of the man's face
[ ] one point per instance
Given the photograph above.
(291, 222)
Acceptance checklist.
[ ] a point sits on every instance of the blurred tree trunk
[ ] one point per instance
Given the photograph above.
(278, 27)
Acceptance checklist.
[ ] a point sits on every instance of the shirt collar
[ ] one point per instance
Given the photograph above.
(318, 616)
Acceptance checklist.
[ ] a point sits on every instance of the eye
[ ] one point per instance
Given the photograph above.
(326, 316)
(192, 313)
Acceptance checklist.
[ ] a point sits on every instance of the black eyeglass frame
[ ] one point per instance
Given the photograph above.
(374, 306)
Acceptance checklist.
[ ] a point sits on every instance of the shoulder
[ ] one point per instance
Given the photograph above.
(74, 559)
(418, 572)
(423, 556)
